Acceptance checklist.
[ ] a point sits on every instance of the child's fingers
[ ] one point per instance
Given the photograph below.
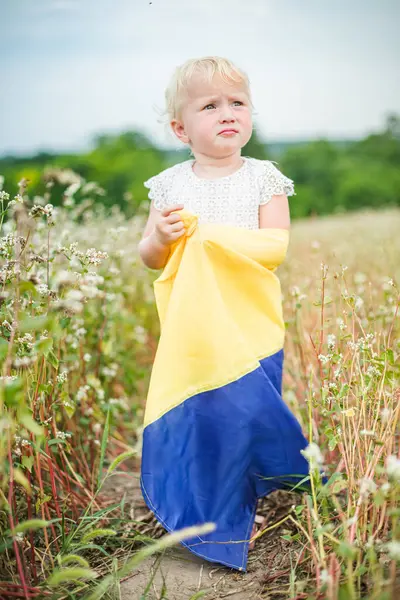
(177, 226)
(167, 211)
(173, 218)
(177, 235)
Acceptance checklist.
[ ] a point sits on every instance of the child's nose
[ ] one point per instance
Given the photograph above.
(226, 115)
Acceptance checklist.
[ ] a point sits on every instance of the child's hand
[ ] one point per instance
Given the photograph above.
(170, 226)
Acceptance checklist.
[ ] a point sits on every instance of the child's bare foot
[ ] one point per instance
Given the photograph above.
(253, 533)
(260, 520)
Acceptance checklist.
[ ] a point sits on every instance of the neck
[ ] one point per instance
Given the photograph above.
(210, 166)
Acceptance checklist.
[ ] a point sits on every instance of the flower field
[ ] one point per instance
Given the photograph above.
(78, 332)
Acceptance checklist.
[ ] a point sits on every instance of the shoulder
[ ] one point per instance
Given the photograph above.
(263, 167)
(161, 184)
(271, 181)
(167, 175)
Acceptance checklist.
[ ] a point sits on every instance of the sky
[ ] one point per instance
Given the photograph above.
(72, 69)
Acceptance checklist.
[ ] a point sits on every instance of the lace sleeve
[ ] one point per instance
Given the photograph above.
(159, 186)
(273, 182)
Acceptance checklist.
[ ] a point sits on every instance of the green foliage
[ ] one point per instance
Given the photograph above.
(255, 147)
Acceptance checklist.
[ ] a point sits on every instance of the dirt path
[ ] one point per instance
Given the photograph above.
(183, 575)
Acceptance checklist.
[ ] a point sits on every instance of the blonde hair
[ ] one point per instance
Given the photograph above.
(208, 67)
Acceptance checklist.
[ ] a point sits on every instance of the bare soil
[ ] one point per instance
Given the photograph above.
(180, 575)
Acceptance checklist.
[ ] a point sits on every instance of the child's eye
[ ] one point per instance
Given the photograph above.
(213, 104)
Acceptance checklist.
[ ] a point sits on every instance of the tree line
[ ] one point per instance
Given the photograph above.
(329, 176)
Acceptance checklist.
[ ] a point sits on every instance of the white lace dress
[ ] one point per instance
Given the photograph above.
(230, 200)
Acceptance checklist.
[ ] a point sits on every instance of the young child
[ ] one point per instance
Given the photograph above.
(218, 191)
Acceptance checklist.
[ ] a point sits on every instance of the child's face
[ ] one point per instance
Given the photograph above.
(211, 108)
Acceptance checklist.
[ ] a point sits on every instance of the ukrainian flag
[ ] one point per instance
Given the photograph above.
(217, 433)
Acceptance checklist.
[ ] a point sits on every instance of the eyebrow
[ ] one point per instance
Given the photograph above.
(214, 98)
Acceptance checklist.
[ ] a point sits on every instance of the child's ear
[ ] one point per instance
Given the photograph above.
(179, 130)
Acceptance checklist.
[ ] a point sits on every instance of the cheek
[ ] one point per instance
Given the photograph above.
(204, 125)
(246, 118)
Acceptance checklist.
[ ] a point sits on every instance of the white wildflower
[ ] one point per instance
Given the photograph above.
(63, 435)
(385, 414)
(91, 291)
(91, 187)
(313, 455)
(324, 359)
(7, 379)
(100, 394)
(43, 289)
(393, 467)
(26, 340)
(62, 377)
(365, 343)
(87, 357)
(295, 291)
(82, 393)
(64, 277)
(393, 548)
(94, 257)
(341, 323)
(373, 371)
(367, 432)
(141, 334)
(93, 278)
(325, 577)
(72, 189)
(388, 284)
(352, 345)
(331, 341)
(367, 486)
(109, 371)
(359, 303)
(118, 402)
(23, 362)
(74, 295)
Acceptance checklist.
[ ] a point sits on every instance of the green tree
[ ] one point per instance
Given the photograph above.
(255, 147)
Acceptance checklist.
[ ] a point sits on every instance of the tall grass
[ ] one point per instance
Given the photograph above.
(342, 374)
(78, 331)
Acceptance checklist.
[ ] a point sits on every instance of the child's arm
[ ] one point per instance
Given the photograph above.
(275, 213)
(162, 229)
